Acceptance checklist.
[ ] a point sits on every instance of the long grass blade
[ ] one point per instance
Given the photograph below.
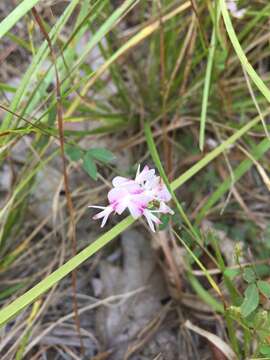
(31, 295)
(16, 15)
(240, 53)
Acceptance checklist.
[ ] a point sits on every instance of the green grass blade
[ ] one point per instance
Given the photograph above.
(33, 294)
(16, 15)
(200, 264)
(213, 154)
(204, 294)
(30, 296)
(241, 169)
(206, 88)
(154, 153)
(103, 30)
(240, 53)
(32, 70)
(132, 42)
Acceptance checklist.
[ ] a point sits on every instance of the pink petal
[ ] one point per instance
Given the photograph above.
(120, 181)
(146, 175)
(129, 185)
(152, 183)
(121, 206)
(116, 194)
(142, 199)
(134, 188)
(151, 219)
(135, 210)
(163, 193)
(231, 5)
(104, 214)
(97, 207)
(165, 209)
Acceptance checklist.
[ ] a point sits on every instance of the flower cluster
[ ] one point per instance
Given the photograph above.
(146, 195)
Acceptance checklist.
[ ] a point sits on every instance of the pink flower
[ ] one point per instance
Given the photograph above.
(130, 198)
(147, 190)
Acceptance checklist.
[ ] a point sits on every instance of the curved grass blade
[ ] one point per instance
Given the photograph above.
(213, 154)
(206, 88)
(241, 169)
(31, 295)
(32, 70)
(154, 153)
(132, 42)
(200, 264)
(240, 53)
(34, 293)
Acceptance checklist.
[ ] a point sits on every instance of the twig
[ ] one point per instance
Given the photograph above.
(66, 181)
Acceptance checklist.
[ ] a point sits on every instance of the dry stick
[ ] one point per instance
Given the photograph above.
(66, 181)
(189, 62)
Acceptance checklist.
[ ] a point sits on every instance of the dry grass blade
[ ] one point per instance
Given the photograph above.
(215, 340)
(134, 41)
(66, 181)
(122, 83)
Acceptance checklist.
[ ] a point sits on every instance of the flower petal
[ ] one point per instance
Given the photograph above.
(104, 214)
(116, 194)
(121, 206)
(151, 219)
(146, 175)
(135, 210)
(162, 193)
(120, 181)
(165, 209)
(97, 207)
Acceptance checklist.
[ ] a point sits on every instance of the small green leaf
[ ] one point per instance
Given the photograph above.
(101, 154)
(265, 350)
(73, 152)
(251, 300)
(231, 273)
(264, 287)
(249, 275)
(89, 166)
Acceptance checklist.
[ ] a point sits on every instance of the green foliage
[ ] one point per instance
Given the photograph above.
(190, 86)
(265, 350)
(249, 275)
(89, 158)
(101, 154)
(89, 166)
(251, 300)
(16, 15)
(264, 287)
(231, 273)
(73, 152)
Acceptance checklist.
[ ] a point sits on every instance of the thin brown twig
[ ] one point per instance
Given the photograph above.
(66, 181)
